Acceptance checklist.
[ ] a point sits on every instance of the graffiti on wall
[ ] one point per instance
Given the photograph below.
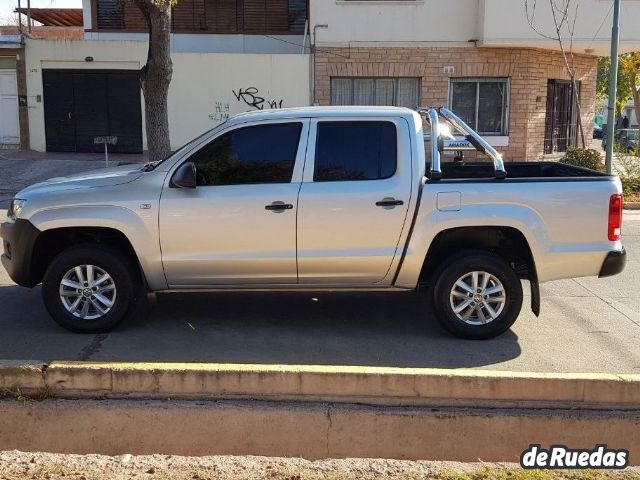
(251, 97)
(220, 112)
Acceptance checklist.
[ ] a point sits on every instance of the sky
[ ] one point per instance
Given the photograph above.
(8, 6)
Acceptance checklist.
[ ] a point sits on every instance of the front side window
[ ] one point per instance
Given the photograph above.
(355, 151)
(482, 103)
(249, 155)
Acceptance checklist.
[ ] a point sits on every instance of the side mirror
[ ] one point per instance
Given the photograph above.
(184, 176)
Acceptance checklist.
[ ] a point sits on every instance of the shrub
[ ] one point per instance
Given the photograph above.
(583, 157)
(630, 186)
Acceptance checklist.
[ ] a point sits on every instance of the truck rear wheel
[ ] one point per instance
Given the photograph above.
(89, 288)
(477, 295)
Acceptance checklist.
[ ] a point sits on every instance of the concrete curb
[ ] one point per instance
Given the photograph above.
(25, 376)
(336, 384)
(308, 430)
(632, 205)
(313, 411)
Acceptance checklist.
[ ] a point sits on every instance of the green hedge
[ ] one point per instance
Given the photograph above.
(630, 186)
(583, 157)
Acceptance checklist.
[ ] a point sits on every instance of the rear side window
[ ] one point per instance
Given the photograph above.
(249, 155)
(355, 151)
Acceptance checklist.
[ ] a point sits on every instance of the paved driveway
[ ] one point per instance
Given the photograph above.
(587, 325)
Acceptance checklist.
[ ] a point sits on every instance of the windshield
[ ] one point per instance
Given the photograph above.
(151, 165)
(633, 134)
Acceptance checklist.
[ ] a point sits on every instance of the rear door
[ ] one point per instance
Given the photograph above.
(353, 200)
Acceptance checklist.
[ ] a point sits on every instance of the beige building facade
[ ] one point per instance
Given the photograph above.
(528, 76)
(493, 62)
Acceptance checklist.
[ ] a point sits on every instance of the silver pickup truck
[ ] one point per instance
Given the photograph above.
(320, 198)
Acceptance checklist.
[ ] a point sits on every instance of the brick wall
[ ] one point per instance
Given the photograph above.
(47, 32)
(528, 69)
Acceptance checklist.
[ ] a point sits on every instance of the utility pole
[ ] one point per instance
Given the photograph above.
(613, 85)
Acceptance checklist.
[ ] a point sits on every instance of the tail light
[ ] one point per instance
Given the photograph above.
(615, 217)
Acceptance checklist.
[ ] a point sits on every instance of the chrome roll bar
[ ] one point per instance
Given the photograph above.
(436, 172)
(472, 141)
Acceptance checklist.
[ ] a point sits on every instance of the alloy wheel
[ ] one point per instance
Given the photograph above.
(87, 292)
(477, 298)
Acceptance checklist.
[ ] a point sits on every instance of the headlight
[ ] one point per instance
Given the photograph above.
(15, 208)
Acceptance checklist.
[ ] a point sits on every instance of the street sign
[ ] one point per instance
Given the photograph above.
(106, 140)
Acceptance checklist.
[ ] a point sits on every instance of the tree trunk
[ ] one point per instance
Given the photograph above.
(576, 100)
(155, 76)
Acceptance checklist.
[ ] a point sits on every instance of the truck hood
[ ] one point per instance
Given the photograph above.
(104, 177)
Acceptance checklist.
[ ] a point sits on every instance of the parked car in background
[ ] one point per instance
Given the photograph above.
(625, 139)
(597, 131)
(338, 198)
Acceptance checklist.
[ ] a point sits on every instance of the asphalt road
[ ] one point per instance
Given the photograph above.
(587, 325)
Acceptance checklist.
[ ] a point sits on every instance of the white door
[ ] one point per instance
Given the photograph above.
(238, 226)
(353, 201)
(9, 127)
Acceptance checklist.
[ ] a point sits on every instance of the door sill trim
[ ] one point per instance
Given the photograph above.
(280, 288)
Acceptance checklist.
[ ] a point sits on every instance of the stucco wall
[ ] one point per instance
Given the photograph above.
(399, 21)
(202, 89)
(489, 22)
(505, 22)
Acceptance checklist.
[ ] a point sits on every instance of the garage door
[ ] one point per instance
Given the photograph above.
(82, 104)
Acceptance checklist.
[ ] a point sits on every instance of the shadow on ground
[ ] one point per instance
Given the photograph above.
(379, 329)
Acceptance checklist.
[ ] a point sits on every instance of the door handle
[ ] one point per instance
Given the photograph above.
(278, 206)
(389, 202)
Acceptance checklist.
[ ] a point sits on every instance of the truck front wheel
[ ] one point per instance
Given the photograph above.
(477, 295)
(89, 288)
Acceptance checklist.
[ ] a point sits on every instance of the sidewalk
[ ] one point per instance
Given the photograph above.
(21, 168)
(33, 155)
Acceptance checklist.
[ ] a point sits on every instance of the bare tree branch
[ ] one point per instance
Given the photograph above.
(562, 20)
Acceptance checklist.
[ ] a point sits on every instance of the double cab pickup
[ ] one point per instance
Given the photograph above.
(318, 198)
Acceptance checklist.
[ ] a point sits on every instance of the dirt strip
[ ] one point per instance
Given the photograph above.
(15, 465)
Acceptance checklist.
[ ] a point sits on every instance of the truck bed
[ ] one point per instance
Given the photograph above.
(521, 170)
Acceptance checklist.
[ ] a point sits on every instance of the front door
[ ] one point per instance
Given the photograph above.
(561, 123)
(353, 201)
(9, 126)
(238, 227)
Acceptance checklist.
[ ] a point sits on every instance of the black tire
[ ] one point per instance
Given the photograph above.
(465, 263)
(124, 277)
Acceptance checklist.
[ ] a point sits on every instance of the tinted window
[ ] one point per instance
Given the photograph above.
(259, 154)
(355, 151)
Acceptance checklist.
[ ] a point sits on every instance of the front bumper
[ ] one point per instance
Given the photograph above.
(613, 264)
(18, 239)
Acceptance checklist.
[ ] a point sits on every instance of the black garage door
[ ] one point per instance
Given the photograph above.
(82, 104)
